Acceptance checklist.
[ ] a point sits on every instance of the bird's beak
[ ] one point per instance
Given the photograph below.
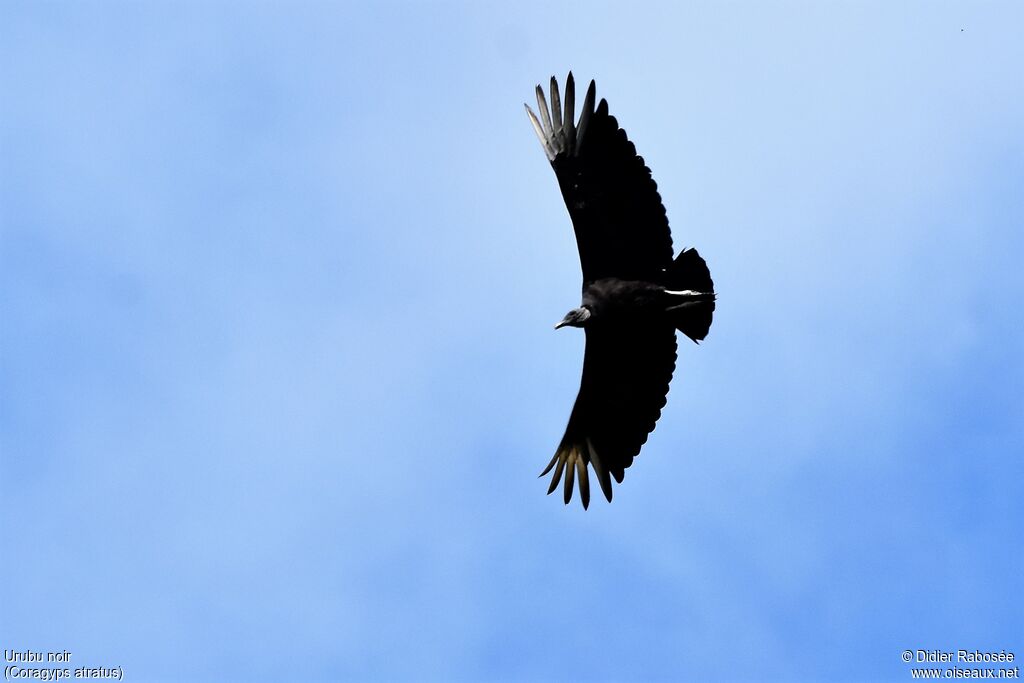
(561, 324)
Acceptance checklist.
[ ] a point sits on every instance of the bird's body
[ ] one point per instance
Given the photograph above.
(612, 301)
(635, 295)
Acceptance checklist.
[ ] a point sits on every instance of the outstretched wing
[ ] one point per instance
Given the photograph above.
(620, 223)
(626, 373)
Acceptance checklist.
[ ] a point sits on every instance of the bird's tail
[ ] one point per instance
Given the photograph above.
(691, 294)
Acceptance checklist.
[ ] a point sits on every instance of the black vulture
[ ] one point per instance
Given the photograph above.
(635, 295)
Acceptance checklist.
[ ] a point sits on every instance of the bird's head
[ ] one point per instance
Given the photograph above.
(577, 317)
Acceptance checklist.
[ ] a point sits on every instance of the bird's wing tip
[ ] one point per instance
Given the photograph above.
(573, 460)
(559, 132)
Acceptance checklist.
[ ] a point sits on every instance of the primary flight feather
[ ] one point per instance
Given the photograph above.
(635, 295)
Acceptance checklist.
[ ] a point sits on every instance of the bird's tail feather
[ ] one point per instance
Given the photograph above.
(691, 291)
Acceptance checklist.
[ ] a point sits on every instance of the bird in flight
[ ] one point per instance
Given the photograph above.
(635, 294)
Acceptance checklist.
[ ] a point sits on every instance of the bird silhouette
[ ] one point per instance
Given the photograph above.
(635, 294)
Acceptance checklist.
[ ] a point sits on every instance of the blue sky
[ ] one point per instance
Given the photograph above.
(277, 370)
